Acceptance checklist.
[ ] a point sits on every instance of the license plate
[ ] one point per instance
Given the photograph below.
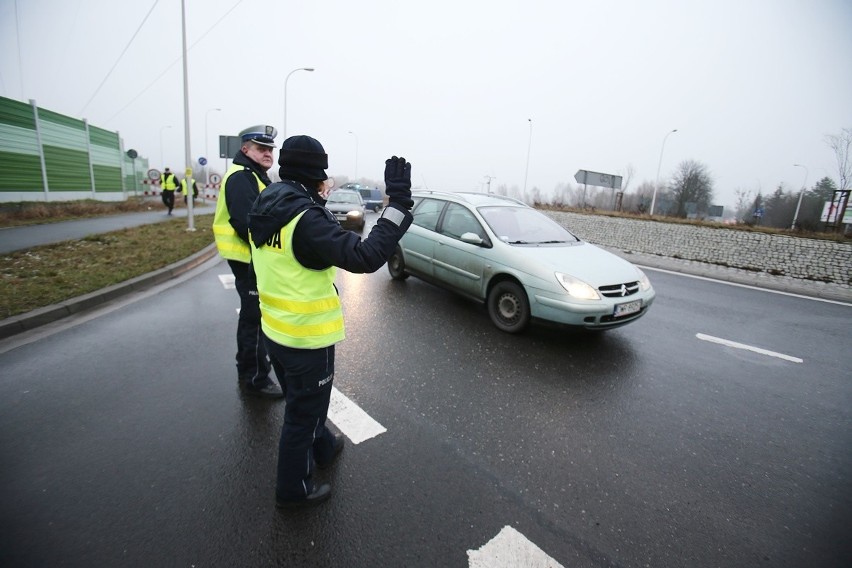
(341, 216)
(627, 308)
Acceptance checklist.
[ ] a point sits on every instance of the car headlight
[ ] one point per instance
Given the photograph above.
(577, 288)
(354, 213)
(644, 283)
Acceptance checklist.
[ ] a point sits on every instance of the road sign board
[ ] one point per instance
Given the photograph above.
(229, 146)
(202, 160)
(215, 178)
(596, 178)
(154, 174)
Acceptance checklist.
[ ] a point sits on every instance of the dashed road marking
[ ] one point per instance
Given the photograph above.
(227, 281)
(736, 345)
(356, 424)
(510, 549)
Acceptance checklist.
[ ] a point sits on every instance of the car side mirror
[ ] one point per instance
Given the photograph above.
(473, 239)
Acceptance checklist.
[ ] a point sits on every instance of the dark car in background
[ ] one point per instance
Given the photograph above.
(372, 196)
(348, 208)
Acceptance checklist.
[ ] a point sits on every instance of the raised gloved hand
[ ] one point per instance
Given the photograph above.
(398, 182)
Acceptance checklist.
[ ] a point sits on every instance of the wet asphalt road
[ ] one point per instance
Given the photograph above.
(125, 442)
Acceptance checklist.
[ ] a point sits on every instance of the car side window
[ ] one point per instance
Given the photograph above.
(459, 220)
(427, 212)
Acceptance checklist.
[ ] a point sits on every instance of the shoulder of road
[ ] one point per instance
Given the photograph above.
(17, 238)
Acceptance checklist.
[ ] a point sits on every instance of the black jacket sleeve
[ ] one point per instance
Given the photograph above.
(319, 242)
(240, 193)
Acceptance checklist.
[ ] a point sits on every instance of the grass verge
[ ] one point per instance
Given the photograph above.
(39, 212)
(45, 275)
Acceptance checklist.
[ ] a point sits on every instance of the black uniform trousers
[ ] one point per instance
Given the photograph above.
(252, 360)
(168, 196)
(306, 376)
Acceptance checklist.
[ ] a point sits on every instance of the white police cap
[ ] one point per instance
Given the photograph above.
(262, 134)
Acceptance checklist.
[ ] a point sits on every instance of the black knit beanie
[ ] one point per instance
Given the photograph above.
(302, 159)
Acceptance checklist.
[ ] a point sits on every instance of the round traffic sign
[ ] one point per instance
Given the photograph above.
(215, 178)
(154, 174)
(202, 160)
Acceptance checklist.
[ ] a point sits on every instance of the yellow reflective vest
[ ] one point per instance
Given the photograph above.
(228, 242)
(185, 184)
(299, 307)
(167, 182)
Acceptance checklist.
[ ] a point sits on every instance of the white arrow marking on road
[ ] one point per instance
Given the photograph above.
(728, 343)
(510, 549)
(356, 424)
(227, 281)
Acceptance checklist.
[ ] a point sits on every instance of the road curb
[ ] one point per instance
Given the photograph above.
(48, 314)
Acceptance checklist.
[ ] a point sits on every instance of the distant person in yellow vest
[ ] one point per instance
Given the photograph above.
(297, 246)
(168, 185)
(184, 185)
(241, 185)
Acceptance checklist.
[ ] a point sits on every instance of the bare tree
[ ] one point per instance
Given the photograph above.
(691, 184)
(743, 204)
(841, 144)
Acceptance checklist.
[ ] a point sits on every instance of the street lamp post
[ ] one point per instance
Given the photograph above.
(659, 165)
(527, 170)
(162, 164)
(489, 178)
(356, 154)
(287, 78)
(207, 146)
(801, 193)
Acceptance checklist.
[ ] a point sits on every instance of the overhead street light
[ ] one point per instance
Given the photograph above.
(659, 165)
(162, 163)
(356, 154)
(207, 145)
(529, 145)
(801, 193)
(287, 78)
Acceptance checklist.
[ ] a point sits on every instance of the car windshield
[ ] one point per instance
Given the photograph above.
(343, 198)
(525, 226)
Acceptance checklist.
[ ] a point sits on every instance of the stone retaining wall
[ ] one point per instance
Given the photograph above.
(780, 255)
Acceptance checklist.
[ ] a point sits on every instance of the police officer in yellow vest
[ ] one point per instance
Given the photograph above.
(241, 185)
(185, 184)
(296, 246)
(168, 185)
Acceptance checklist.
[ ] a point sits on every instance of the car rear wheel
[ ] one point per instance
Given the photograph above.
(396, 265)
(509, 307)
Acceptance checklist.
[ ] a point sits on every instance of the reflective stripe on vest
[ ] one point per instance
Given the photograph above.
(299, 307)
(228, 242)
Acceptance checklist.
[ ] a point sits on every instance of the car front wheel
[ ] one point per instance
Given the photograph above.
(509, 307)
(396, 265)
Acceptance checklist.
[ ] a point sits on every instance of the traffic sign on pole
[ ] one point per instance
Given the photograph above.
(596, 178)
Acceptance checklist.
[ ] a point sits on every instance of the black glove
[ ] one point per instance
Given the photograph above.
(398, 182)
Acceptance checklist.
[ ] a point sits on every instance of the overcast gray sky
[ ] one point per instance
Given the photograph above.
(753, 86)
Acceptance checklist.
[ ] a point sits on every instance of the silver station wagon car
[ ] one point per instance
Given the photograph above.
(519, 262)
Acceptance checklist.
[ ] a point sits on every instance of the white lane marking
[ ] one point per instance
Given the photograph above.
(510, 549)
(750, 287)
(227, 281)
(728, 343)
(356, 424)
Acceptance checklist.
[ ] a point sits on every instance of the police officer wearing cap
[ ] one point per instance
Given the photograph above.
(297, 245)
(168, 185)
(241, 185)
